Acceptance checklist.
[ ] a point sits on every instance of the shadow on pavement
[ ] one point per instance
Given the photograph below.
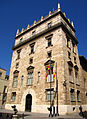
(83, 114)
(9, 116)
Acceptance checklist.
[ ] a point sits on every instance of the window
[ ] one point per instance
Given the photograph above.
(73, 44)
(49, 24)
(18, 54)
(75, 60)
(49, 54)
(49, 94)
(22, 78)
(72, 94)
(0, 74)
(70, 74)
(31, 60)
(86, 97)
(49, 42)
(76, 76)
(32, 47)
(68, 41)
(78, 95)
(21, 39)
(17, 64)
(30, 70)
(84, 83)
(49, 74)
(38, 77)
(69, 55)
(15, 80)
(13, 96)
(30, 78)
(4, 98)
(33, 33)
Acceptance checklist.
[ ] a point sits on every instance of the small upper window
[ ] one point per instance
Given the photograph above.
(32, 47)
(17, 64)
(31, 60)
(73, 44)
(49, 24)
(49, 54)
(33, 33)
(18, 54)
(49, 42)
(21, 39)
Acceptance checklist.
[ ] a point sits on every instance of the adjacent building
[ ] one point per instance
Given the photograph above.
(3, 87)
(48, 42)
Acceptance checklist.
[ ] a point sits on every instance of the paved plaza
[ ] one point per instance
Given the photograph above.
(7, 114)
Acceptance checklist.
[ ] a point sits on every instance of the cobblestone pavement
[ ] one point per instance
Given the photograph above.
(31, 115)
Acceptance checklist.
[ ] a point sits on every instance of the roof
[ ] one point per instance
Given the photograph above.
(83, 62)
(3, 69)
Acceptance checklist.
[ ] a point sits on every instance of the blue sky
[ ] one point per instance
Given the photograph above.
(17, 14)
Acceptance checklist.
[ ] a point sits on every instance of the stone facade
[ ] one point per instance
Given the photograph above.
(49, 41)
(3, 87)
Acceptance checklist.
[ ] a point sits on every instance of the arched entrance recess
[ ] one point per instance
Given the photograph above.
(28, 105)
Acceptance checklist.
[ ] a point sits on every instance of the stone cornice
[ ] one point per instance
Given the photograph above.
(55, 13)
(44, 32)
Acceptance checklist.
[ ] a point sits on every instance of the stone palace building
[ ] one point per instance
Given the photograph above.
(51, 40)
(4, 80)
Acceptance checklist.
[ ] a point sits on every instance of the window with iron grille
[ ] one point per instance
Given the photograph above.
(49, 94)
(13, 96)
(70, 75)
(30, 78)
(72, 94)
(15, 81)
(78, 95)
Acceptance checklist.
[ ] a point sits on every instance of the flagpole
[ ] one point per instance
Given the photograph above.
(50, 90)
(57, 111)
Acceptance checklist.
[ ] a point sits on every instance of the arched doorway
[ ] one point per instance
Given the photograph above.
(28, 104)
